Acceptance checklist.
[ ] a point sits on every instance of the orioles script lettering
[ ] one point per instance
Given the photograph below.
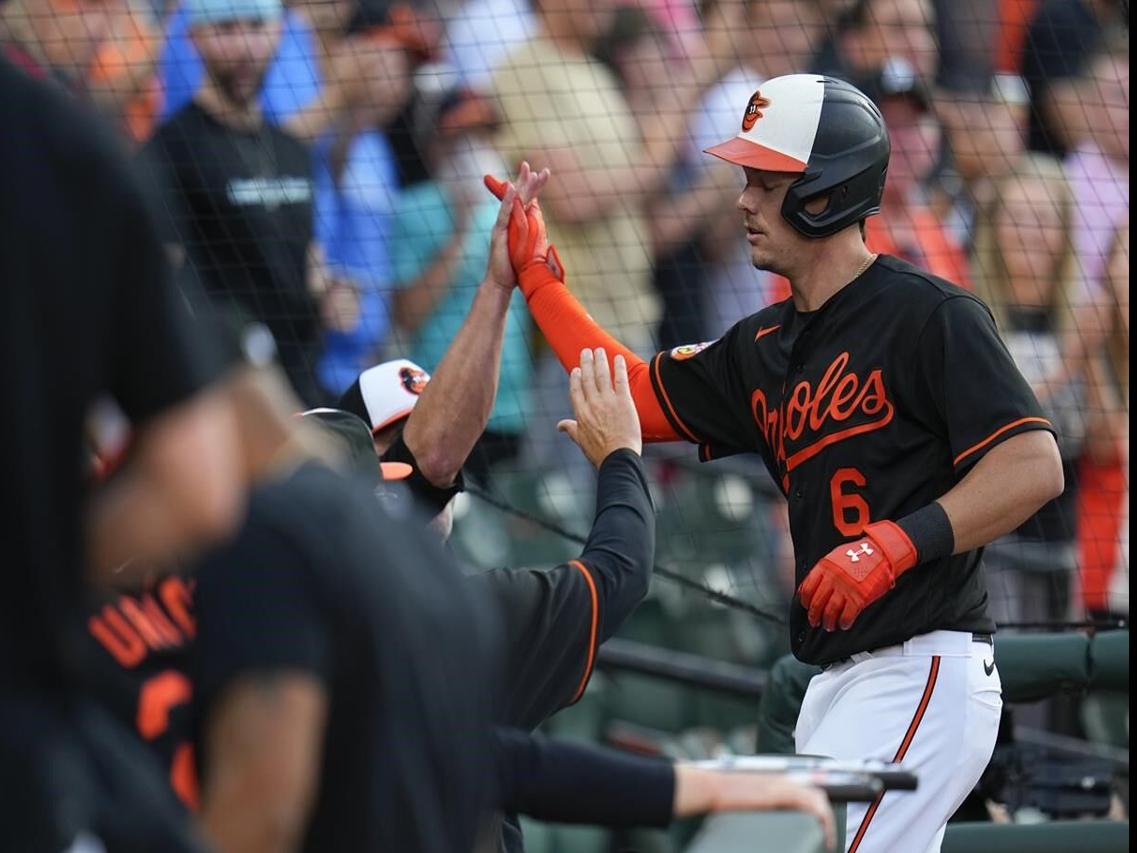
(811, 419)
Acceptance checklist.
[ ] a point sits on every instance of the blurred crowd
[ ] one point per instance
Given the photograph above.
(321, 166)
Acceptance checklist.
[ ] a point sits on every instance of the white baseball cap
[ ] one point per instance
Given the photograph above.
(385, 394)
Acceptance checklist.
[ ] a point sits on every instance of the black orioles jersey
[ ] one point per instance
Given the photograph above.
(136, 663)
(864, 410)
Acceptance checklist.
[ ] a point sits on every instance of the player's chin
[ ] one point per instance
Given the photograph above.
(762, 260)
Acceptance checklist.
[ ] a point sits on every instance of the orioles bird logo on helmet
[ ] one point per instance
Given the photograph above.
(754, 110)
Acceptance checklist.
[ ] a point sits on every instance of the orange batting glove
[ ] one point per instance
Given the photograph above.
(533, 259)
(851, 577)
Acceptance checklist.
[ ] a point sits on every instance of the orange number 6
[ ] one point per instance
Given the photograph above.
(850, 512)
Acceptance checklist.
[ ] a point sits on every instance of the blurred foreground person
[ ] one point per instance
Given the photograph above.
(98, 319)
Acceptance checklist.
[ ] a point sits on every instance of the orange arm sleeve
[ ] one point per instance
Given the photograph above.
(568, 328)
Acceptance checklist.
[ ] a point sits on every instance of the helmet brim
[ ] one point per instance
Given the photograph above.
(749, 154)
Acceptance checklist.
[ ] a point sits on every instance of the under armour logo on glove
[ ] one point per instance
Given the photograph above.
(836, 591)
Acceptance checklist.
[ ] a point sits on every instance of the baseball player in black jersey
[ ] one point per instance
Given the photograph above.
(888, 411)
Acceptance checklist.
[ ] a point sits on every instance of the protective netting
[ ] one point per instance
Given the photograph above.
(321, 170)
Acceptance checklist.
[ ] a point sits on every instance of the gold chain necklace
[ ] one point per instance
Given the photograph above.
(868, 263)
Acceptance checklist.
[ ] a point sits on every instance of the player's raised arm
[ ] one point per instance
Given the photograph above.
(562, 319)
(556, 620)
(620, 550)
(454, 407)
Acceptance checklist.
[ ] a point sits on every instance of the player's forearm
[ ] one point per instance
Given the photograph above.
(454, 407)
(569, 329)
(620, 551)
(263, 746)
(576, 783)
(1005, 488)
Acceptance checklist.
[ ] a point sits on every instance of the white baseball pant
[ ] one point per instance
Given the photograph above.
(934, 704)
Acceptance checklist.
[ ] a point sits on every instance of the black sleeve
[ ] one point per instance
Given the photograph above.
(556, 620)
(549, 624)
(161, 354)
(703, 394)
(979, 395)
(431, 498)
(258, 611)
(620, 550)
(567, 782)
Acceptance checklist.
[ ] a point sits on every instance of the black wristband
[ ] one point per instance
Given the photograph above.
(930, 530)
(433, 499)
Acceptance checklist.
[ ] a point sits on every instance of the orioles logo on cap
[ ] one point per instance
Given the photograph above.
(754, 110)
(413, 380)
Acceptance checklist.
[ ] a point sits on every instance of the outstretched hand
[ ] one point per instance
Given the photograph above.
(528, 184)
(606, 419)
(511, 232)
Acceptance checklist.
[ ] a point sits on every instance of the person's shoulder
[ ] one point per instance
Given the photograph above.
(313, 490)
(908, 285)
(181, 128)
(317, 512)
(188, 115)
(921, 298)
(88, 160)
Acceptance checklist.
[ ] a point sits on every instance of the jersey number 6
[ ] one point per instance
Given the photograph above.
(850, 512)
